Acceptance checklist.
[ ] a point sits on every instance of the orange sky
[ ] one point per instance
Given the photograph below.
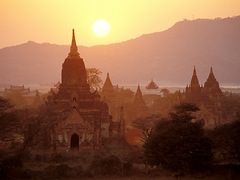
(52, 20)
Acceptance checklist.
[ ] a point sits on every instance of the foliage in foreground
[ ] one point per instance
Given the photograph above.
(94, 79)
(226, 144)
(178, 143)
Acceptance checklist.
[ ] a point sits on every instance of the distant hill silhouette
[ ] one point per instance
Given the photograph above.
(167, 56)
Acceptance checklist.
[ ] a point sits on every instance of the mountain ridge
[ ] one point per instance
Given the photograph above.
(167, 56)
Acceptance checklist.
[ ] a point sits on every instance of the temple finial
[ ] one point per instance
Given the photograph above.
(138, 98)
(194, 70)
(73, 48)
(211, 70)
(108, 86)
(138, 89)
(211, 75)
(194, 80)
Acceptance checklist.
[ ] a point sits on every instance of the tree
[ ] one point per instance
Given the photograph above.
(165, 92)
(178, 143)
(226, 142)
(184, 112)
(19, 126)
(146, 124)
(9, 121)
(94, 78)
(17, 99)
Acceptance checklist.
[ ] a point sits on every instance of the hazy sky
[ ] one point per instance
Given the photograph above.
(52, 20)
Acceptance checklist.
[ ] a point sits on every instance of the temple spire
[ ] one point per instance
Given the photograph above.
(211, 86)
(108, 86)
(194, 71)
(211, 76)
(194, 80)
(138, 92)
(138, 102)
(73, 48)
(138, 98)
(73, 69)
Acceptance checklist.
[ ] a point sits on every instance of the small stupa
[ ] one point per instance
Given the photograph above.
(152, 85)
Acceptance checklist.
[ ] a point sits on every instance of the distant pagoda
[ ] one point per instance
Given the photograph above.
(152, 85)
(211, 86)
(196, 93)
(108, 88)
(194, 90)
(138, 101)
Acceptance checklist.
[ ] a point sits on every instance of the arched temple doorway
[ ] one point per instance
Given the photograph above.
(74, 141)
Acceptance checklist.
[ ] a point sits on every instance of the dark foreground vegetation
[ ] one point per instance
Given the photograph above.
(173, 147)
(178, 143)
(99, 166)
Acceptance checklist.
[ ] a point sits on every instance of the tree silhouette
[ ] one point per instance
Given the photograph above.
(165, 92)
(179, 143)
(146, 124)
(226, 142)
(9, 121)
(94, 78)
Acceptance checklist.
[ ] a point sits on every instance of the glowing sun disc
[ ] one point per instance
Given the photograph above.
(101, 28)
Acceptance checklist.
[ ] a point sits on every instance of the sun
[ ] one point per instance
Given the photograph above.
(101, 28)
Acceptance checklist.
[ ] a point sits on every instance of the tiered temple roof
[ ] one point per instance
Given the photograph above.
(196, 93)
(152, 85)
(194, 90)
(108, 86)
(211, 86)
(194, 81)
(74, 73)
(74, 97)
(138, 99)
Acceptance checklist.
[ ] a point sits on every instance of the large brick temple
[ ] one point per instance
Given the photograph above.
(81, 119)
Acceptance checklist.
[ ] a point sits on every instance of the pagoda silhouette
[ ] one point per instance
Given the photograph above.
(152, 85)
(80, 119)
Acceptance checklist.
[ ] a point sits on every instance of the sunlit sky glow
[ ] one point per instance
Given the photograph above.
(101, 28)
(52, 20)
